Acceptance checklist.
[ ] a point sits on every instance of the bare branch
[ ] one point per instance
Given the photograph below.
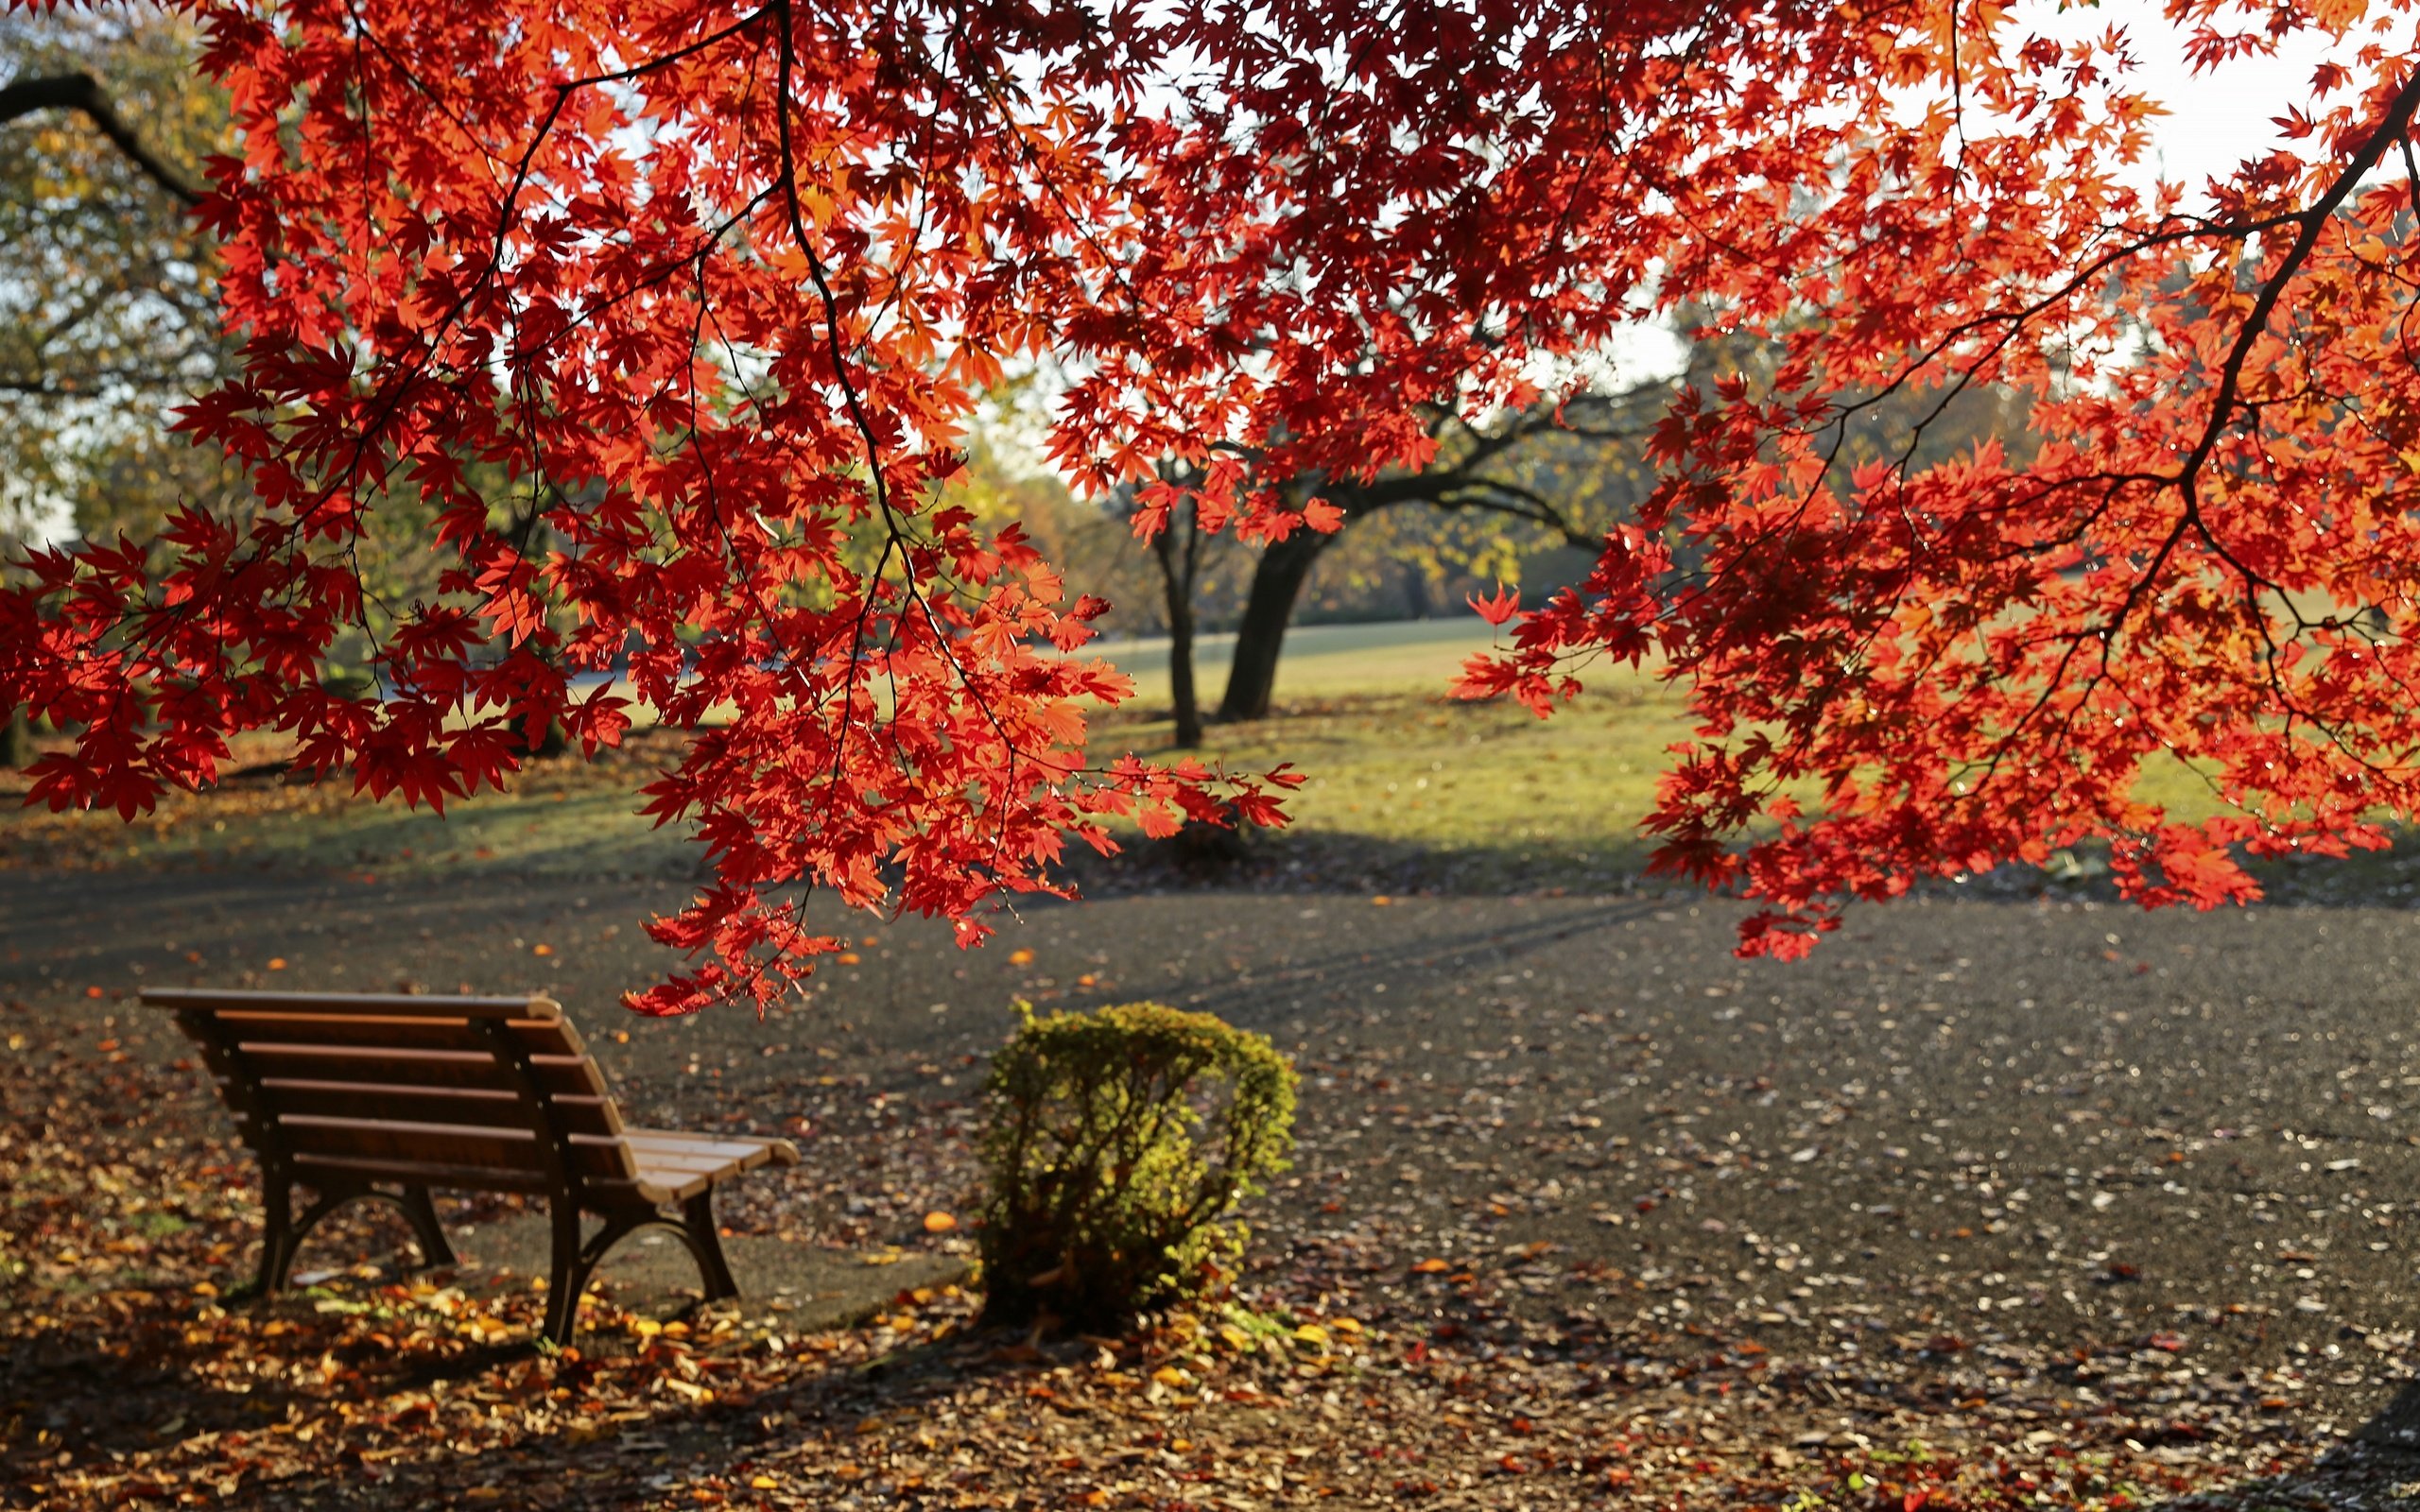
(83, 91)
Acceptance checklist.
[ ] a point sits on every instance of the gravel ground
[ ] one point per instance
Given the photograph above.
(2168, 1158)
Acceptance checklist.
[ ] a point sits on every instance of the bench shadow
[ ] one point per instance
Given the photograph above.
(84, 1397)
(2376, 1465)
(151, 1379)
(651, 1459)
(151, 1392)
(141, 1387)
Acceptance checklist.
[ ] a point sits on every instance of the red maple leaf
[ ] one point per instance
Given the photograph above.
(694, 413)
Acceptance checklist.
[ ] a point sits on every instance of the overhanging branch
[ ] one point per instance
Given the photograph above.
(83, 91)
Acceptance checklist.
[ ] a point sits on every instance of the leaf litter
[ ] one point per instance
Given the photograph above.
(1501, 1275)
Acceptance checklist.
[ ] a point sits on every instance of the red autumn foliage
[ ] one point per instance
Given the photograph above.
(2210, 557)
(673, 314)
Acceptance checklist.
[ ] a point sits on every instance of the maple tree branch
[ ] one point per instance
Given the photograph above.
(2228, 400)
(849, 396)
(83, 93)
(1496, 496)
(786, 45)
(2313, 220)
(51, 387)
(160, 620)
(2312, 223)
(896, 539)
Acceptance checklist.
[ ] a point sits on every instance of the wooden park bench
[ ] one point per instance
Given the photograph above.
(373, 1096)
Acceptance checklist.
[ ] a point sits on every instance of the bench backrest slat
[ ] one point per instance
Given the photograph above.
(539, 1036)
(476, 1108)
(391, 1004)
(556, 1076)
(386, 1084)
(496, 1149)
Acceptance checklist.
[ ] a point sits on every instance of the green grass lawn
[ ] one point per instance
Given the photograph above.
(1395, 766)
(1493, 794)
(1406, 785)
(1407, 658)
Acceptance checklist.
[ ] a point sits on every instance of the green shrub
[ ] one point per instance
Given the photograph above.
(1118, 1144)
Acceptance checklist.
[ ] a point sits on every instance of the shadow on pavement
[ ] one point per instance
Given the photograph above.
(2377, 1468)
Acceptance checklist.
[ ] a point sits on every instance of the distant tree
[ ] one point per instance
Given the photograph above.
(1519, 464)
(109, 311)
(1202, 577)
(1565, 473)
(1177, 548)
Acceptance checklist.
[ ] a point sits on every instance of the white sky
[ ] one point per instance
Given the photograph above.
(2217, 118)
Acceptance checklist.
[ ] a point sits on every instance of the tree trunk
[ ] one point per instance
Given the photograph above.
(1176, 585)
(16, 742)
(1276, 583)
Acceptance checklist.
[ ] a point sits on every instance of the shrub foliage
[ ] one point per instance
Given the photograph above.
(1118, 1143)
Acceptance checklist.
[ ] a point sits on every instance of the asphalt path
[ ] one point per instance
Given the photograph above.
(2035, 1123)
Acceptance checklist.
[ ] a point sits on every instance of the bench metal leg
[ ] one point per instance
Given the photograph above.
(575, 1262)
(417, 1207)
(705, 1242)
(284, 1233)
(567, 1272)
(279, 1237)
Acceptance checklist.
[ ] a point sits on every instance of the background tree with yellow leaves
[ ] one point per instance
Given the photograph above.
(109, 313)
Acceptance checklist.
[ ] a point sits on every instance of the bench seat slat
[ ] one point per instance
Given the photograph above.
(655, 1185)
(747, 1153)
(664, 1160)
(729, 1143)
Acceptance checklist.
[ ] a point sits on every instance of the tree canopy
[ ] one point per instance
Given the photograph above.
(671, 315)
